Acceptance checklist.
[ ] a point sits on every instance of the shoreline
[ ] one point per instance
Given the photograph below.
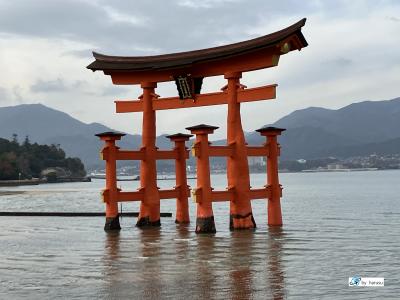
(11, 193)
(37, 181)
(20, 182)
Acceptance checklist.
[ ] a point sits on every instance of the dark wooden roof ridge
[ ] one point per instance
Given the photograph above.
(110, 133)
(108, 62)
(270, 129)
(179, 135)
(202, 126)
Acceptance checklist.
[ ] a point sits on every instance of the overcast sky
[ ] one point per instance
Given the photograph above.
(45, 46)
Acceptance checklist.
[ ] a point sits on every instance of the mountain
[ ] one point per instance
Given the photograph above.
(45, 125)
(357, 129)
(369, 126)
(41, 123)
(364, 122)
(388, 147)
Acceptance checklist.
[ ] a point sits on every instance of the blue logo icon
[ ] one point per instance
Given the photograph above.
(355, 280)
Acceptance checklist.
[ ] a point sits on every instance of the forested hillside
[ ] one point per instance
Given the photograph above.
(27, 160)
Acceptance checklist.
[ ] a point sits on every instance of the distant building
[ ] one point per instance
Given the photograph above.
(334, 166)
(57, 171)
(256, 161)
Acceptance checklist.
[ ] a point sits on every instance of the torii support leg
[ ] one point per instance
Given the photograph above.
(241, 216)
(112, 217)
(110, 194)
(182, 207)
(149, 214)
(274, 202)
(204, 212)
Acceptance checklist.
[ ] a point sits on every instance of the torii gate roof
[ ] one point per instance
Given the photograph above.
(190, 61)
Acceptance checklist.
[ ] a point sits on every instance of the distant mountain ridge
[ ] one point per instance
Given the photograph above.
(368, 121)
(357, 129)
(318, 132)
(49, 126)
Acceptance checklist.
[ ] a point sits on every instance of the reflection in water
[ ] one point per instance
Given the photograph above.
(205, 264)
(150, 243)
(276, 274)
(239, 265)
(241, 244)
(183, 260)
(254, 257)
(110, 260)
(182, 242)
(112, 246)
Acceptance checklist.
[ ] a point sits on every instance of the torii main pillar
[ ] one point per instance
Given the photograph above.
(241, 215)
(149, 214)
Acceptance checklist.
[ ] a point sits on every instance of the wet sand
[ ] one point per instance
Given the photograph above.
(10, 193)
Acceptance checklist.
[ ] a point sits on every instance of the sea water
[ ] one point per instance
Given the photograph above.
(336, 225)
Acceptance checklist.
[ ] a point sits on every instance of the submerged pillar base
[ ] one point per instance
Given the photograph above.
(112, 224)
(241, 222)
(205, 225)
(145, 222)
(182, 222)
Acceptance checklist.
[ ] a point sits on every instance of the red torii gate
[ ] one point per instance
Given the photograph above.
(188, 70)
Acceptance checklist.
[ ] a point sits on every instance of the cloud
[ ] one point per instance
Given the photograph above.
(3, 94)
(204, 4)
(42, 86)
(117, 16)
(340, 62)
(114, 90)
(81, 53)
(17, 94)
(57, 86)
(48, 44)
(134, 27)
(394, 19)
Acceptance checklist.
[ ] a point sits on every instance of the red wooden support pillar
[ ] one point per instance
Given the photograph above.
(110, 194)
(274, 203)
(202, 193)
(182, 207)
(241, 216)
(149, 214)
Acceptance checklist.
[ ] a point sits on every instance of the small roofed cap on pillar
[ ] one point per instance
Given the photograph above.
(202, 127)
(110, 134)
(270, 130)
(179, 136)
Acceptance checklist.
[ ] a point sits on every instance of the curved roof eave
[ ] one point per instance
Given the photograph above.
(181, 59)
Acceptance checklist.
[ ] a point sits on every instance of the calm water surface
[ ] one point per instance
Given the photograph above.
(336, 225)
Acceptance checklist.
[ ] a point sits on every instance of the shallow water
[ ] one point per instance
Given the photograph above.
(336, 225)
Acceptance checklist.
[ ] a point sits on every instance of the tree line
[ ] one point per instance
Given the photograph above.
(27, 160)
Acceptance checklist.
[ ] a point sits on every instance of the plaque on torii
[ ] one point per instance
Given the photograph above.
(187, 70)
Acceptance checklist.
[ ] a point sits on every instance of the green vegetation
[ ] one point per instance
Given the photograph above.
(27, 160)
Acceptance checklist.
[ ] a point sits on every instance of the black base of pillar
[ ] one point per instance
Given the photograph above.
(182, 222)
(237, 217)
(112, 224)
(145, 222)
(205, 225)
